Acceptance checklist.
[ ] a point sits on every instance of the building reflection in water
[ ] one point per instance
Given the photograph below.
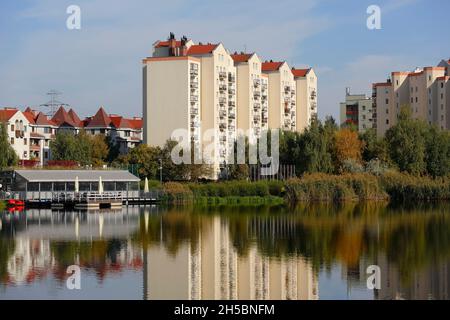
(212, 269)
(185, 254)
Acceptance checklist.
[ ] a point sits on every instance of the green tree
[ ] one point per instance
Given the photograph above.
(68, 146)
(8, 156)
(147, 159)
(374, 147)
(100, 150)
(406, 143)
(437, 155)
(314, 148)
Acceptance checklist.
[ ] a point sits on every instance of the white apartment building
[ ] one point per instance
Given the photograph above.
(419, 90)
(357, 111)
(252, 94)
(306, 87)
(207, 91)
(282, 95)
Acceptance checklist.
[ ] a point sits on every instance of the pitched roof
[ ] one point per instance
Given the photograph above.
(300, 72)
(120, 122)
(7, 113)
(241, 57)
(201, 49)
(30, 116)
(30, 111)
(137, 123)
(271, 66)
(75, 118)
(62, 117)
(42, 120)
(100, 120)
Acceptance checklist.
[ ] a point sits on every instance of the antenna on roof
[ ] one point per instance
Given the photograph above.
(245, 48)
(53, 104)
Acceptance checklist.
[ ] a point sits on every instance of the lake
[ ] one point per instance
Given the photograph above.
(152, 252)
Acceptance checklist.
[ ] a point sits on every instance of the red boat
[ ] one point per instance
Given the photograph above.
(16, 203)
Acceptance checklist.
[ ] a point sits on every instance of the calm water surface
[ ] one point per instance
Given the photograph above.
(310, 252)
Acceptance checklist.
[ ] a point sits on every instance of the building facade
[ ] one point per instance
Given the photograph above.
(30, 132)
(357, 111)
(424, 91)
(216, 95)
(306, 97)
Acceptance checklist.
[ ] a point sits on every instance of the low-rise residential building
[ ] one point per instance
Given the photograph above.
(30, 132)
(357, 111)
(422, 90)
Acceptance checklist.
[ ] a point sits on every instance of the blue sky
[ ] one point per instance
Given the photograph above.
(100, 65)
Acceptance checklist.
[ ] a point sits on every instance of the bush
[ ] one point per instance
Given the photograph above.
(322, 187)
(177, 192)
(404, 187)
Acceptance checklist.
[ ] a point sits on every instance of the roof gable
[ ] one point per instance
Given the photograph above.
(300, 72)
(199, 49)
(100, 120)
(6, 114)
(271, 66)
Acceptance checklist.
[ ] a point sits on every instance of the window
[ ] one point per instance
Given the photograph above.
(12, 128)
(387, 101)
(429, 78)
(25, 128)
(442, 96)
(442, 117)
(25, 141)
(46, 154)
(25, 154)
(417, 99)
(364, 108)
(387, 111)
(442, 107)
(12, 140)
(397, 82)
(387, 121)
(417, 89)
(442, 85)
(412, 100)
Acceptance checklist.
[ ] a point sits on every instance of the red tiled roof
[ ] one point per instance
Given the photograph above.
(42, 120)
(30, 111)
(62, 117)
(271, 66)
(136, 123)
(201, 49)
(166, 44)
(120, 122)
(242, 57)
(30, 116)
(100, 120)
(75, 118)
(7, 114)
(300, 72)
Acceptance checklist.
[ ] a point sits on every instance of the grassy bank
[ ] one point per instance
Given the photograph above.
(392, 186)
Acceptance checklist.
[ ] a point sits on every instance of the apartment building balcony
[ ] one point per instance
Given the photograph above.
(231, 127)
(194, 84)
(292, 92)
(256, 106)
(193, 72)
(293, 102)
(231, 103)
(263, 87)
(231, 78)
(222, 75)
(287, 99)
(222, 126)
(195, 124)
(222, 100)
(194, 98)
(232, 115)
(256, 83)
(222, 113)
(231, 91)
(222, 88)
(313, 95)
(256, 94)
(257, 117)
(287, 89)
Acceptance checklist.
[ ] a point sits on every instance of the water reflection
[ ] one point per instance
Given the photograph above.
(235, 253)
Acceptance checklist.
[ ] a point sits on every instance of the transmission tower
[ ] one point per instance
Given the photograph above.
(53, 104)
